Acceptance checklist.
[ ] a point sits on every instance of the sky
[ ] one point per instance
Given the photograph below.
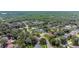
(39, 5)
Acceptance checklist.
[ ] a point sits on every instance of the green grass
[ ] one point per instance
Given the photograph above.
(44, 46)
(30, 46)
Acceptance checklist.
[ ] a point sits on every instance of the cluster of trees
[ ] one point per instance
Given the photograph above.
(26, 31)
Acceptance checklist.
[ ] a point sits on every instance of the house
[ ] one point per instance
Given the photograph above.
(74, 32)
(67, 27)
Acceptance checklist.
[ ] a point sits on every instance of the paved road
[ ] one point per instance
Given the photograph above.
(38, 45)
(48, 44)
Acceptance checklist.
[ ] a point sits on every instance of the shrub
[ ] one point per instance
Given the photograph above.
(43, 41)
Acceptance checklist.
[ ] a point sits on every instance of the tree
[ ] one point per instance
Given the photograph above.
(43, 41)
